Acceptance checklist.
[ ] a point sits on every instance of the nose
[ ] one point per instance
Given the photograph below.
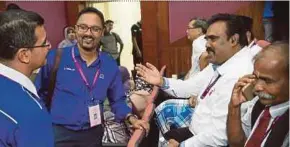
(88, 32)
(259, 85)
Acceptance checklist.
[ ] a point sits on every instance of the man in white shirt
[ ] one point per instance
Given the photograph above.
(195, 32)
(226, 44)
(263, 121)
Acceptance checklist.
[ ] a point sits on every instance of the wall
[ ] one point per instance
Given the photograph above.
(181, 12)
(54, 15)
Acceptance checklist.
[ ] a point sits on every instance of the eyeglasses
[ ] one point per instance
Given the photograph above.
(84, 28)
(189, 28)
(44, 44)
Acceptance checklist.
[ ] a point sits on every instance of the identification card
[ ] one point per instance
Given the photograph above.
(95, 115)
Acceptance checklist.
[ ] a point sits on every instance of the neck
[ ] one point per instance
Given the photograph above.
(88, 55)
(18, 67)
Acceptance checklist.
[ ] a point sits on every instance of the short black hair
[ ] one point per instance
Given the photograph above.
(247, 22)
(109, 21)
(17, 30)
(233, 25)
(92, 10)
(12, 6)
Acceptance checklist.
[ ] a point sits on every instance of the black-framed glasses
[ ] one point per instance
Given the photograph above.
(84, 28)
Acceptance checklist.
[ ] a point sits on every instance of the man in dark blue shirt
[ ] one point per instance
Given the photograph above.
(85, 78)
(24, 120)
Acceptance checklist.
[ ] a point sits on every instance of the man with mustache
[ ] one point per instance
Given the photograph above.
(266, 121)
(85, 78)
(227, 46)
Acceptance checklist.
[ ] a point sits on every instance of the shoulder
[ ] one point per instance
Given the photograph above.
(108, 60)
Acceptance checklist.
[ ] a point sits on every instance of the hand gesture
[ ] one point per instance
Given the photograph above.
(150, 74)
(237, 96)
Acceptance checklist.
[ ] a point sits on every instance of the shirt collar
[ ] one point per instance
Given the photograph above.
(18, 77)
(78, 55)
(278, 110)
(228, 65)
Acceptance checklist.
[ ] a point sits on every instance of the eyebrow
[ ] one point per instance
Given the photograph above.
(211, 37)
(264, 78)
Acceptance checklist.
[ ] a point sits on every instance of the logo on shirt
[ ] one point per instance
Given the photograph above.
(102, 76)
(68, 68)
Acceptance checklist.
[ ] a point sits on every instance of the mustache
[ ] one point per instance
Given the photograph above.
(87, 37)
(264, 95)
(209, 49)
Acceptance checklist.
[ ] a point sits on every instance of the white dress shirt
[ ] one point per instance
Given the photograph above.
(18, 78)
(198, 47)
(209, 119)
(246, 115)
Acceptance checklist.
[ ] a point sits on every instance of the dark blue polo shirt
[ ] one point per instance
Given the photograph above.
(72, 98)
(24, 121)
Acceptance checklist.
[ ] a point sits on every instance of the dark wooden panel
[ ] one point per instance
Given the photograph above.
(72, 10)
(255, 11)
(149, 31)
(2, 6)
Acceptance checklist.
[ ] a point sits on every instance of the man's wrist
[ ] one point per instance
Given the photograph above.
(131, 118)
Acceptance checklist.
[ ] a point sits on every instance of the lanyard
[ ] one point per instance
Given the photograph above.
(82, 73)
(205, 92)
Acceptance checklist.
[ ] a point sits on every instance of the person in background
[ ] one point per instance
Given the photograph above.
(268, 20)
(136, 32)
(264, 120)
(110, 42)
(85, 78)
(12, 6)
(24, 120)
(70, 38)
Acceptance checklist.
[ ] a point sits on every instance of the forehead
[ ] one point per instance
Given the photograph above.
(217, 29)
(191, 23)
(269, 66)
(40, 33)
(90, 19)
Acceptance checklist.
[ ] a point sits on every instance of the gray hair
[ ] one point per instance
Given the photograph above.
(200, 23)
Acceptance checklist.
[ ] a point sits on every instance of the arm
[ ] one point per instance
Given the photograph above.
(235, 131)
(117, 98)
(42, 78)
(136, 47)
(119, 40)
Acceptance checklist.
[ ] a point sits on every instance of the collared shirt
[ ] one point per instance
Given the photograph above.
(246, 116)
(209, 119)
(198, 47)
(72, 98)
(24, 121)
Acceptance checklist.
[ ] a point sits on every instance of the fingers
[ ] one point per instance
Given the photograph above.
(142, 92)
(150, 66)
(162, 70)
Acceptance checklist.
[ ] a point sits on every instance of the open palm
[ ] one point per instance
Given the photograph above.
(150, 73)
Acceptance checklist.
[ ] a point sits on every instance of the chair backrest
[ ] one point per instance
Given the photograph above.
(138, 134)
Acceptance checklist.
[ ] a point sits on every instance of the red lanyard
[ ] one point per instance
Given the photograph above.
(82, 73)
(205, 92)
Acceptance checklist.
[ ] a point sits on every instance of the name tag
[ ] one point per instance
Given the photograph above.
(95, 115)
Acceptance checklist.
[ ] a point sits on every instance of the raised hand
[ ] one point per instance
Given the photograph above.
(237, 96)
(150, 73)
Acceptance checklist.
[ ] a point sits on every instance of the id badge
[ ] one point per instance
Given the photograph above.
(95, 115)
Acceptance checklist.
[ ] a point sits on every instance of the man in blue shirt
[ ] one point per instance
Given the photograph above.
(24, 120)
(85, 78)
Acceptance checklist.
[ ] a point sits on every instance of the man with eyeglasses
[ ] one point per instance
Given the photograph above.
(85, 78)
(24, 120)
